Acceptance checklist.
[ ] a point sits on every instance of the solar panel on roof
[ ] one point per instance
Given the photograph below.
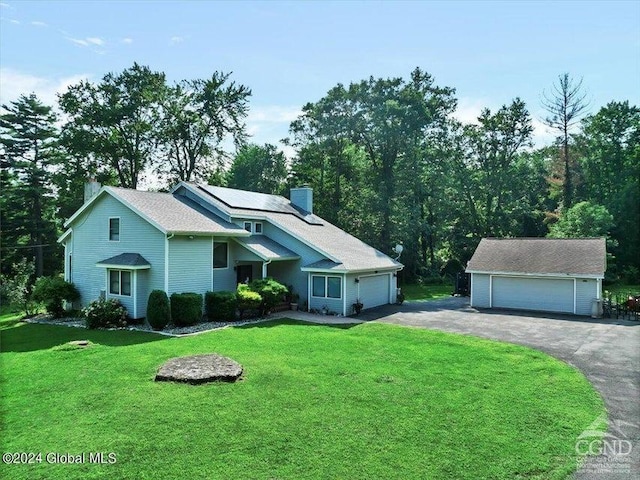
(257, 201)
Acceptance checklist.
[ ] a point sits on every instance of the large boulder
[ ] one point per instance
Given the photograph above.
(198, 369)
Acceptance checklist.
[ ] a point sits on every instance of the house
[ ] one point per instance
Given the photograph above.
(555, 275)
(124, 243)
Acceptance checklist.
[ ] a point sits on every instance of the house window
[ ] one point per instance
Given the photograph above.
(114, 229)
(258, 227)
(247, 226)
(326, 287)
(120, 282)
(220, 255)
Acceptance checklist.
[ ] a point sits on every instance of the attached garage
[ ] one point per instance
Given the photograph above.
(552, 275)
(374, 290)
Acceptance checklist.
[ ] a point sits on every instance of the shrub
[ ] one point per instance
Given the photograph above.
(271, 291)
(158, 311)
(247, 299)
(186, 309)
(220, 306)
(15, 289)
(52, 291)
(105, 314)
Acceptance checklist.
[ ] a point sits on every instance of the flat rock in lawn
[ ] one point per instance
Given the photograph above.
(199, 369)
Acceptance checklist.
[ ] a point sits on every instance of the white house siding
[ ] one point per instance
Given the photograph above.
(190, 264)
(586, 291)
(290, 271)
(91, 245)
(480, 290)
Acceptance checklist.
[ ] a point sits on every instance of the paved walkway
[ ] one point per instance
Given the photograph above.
(606, 351)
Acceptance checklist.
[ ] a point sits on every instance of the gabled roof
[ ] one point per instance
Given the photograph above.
(167, 213)
(267, 249)
(345, 251)
(133, 261)
(545, 256)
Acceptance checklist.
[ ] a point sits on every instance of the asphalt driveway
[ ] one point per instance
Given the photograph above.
(606, 351)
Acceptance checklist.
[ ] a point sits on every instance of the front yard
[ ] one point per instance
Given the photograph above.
(367, 401)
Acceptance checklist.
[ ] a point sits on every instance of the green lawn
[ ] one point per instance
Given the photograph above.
(426, 292)
(370, 401)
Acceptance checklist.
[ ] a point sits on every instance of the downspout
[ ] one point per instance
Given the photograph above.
(166, 262)
(264, 268)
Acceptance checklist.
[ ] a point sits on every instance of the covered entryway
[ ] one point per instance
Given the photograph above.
(374, 290)
(548, 294)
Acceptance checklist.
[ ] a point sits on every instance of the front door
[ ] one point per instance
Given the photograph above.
(244, 273)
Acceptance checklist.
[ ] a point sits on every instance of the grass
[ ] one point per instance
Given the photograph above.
(367, 401)
(415, 291)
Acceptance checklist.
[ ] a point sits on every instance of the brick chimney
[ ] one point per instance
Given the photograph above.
(302, 197)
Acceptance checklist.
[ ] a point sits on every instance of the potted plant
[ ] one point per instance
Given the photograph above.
(293, 302)
(357, 307)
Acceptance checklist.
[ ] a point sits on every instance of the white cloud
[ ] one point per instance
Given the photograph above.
(78, 41)
(127, 41)
(176, 39)
(15, 22)
(14, 83)
(273, 114)
(4, 5)
(469, 110)
(38, 23)
(95, 41)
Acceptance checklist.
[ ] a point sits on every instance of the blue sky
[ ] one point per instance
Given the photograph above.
(290, 53)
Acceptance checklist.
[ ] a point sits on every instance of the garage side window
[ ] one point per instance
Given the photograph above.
(326, 287)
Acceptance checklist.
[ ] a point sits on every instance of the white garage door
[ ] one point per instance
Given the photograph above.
(545, 294)
(374, 291)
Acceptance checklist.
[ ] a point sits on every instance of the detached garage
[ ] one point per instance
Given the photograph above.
(553, 275)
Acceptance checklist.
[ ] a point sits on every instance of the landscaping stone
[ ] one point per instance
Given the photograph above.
(198, 369)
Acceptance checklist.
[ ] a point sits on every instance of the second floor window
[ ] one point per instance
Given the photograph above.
(114, 229)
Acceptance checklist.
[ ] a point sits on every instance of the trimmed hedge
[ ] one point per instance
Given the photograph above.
(186, 309)
(220, 306)
(158, 311)
(271, 291)
(247, 299)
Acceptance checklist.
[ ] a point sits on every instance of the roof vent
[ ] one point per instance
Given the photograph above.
(302, 198)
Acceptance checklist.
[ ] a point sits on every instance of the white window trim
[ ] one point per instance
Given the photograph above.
(326, 286)
(255, 228)
(109, 229)
(131, 284)
(213, 256)
(249, 224)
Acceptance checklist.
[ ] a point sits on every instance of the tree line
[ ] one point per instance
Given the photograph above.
(386, 158)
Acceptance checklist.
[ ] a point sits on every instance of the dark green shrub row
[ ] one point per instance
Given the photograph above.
(220, 306)
(186, 309)
(105, 314)
(247, 299)
(52, 292)
(158, 311)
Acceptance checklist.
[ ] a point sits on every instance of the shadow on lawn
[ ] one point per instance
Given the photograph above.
(302, 323)
(27, 337)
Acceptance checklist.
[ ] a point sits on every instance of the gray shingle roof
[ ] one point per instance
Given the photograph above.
(562, 256)
(267, 249)
(126, 260)
(174, 215)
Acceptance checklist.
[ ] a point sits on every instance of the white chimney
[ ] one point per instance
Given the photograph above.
(91, 189)
(302, 197)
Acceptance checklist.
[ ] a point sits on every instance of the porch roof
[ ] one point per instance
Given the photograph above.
(266, 249)
(129, 261)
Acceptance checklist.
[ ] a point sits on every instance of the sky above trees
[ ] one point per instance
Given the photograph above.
(291, 53)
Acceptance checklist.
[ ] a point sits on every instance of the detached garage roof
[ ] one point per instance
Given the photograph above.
(545, 256)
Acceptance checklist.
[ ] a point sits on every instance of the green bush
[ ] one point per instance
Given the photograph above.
(53, 291)
(105, 314)
(271, 291)
(247, 299)
(186, 309)
(220, 306)
(158, 311)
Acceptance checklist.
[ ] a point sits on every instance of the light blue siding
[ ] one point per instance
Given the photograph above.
(225, 278)
(531, 293)
(190, 264)
(90, 245)
(586, 291)
(480, 292)
(352, 292)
